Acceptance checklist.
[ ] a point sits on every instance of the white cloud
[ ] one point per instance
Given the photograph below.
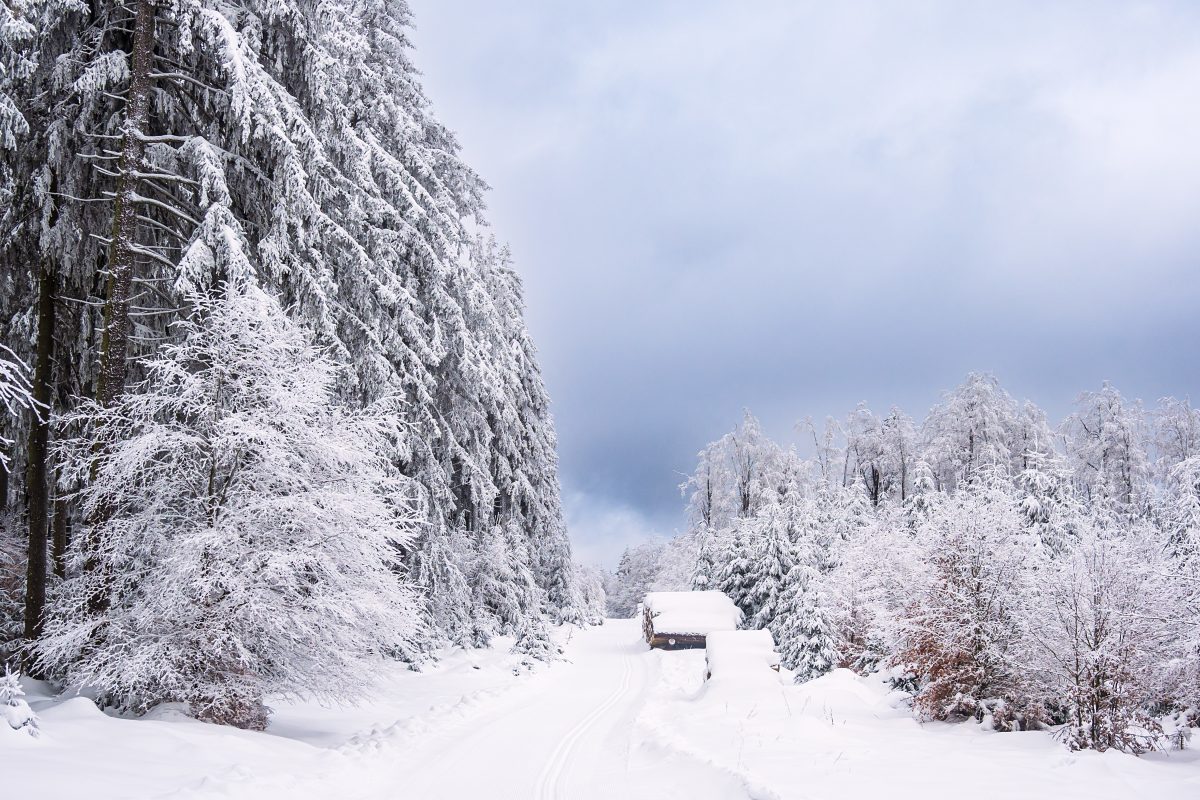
(796, 204)
(601, 529)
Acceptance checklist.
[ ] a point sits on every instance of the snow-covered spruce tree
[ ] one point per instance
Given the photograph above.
(15, 396)
(251, 528)
(439, 571)
(708, 556)
(524, 446)
(533, 640)
(497, 591)
(734, 577)
(924, 493)
(563, 588)
(772, 560)
(803, 629)
(962, 632)
(15, 712)
(292, 144)
(595, 602)
(533, 635)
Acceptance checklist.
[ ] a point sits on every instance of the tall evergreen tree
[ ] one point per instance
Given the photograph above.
(290, 147)
(802, 629)
(251, 530)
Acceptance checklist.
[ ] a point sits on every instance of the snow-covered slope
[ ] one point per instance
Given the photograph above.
(613, 720)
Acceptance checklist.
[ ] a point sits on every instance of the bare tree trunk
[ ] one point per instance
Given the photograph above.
(36, 486)
(114, 345)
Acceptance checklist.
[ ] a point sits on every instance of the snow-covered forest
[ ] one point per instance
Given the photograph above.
(270, 411)
(282, 513)
(996, 566)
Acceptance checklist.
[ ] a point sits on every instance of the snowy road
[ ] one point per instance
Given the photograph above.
(566, 735)
(571, 733)
(563, 735)
(615, 721)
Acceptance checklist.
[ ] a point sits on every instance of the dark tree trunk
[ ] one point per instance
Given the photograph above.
(36, 485)
(3, 489)
(122, 249)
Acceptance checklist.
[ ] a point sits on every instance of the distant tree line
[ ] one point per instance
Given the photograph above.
(996, 567)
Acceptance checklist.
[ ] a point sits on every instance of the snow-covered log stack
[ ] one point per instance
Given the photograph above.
(678, 620)
(741, 655)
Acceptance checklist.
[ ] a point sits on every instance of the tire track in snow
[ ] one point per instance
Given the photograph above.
(550, 781)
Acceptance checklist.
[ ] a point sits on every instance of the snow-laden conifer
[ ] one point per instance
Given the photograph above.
(737, 562)
(296, 150)
(249, 538)
(772, 560)
(15, 395)
(15, 712)
(803, 629)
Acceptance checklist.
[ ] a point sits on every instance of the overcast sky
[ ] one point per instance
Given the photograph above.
(795, 206)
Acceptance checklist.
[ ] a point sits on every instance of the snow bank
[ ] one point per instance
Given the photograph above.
(744, 656)
(693, 613)
(841, 735)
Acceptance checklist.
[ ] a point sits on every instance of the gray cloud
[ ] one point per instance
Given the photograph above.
(797, 206)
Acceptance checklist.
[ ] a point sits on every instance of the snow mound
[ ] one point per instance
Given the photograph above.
(697, 613)
(847, 691)
(73, 709)
(745, 656)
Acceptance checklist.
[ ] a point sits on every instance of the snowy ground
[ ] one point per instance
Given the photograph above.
(614, 721)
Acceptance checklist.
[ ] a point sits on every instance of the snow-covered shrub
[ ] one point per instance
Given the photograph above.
(963, 630)
(16, 712)
(868, 589)
(591, 587)
(533, 640)
(1179, 726)
(1100, 641)
(246, 532)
